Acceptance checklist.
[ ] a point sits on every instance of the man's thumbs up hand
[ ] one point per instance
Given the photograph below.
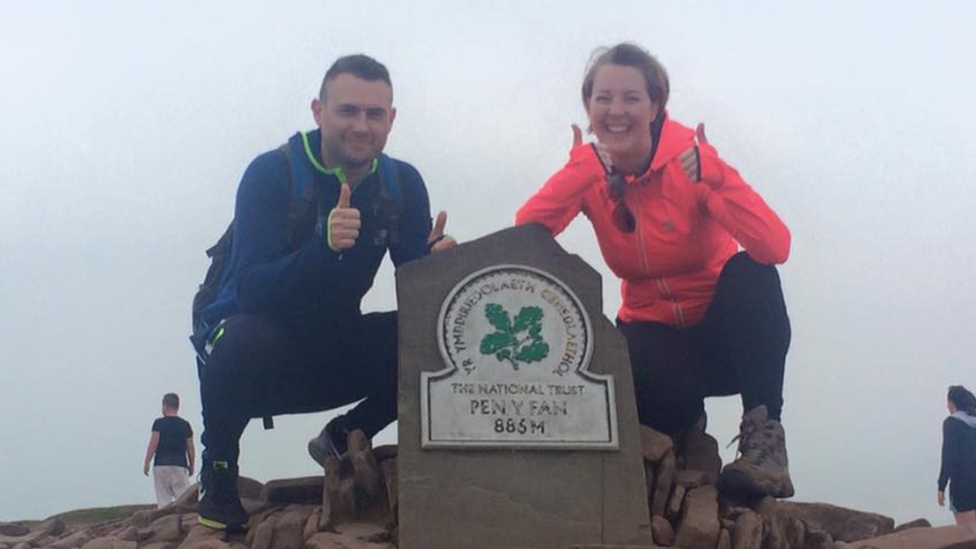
(343, 222)
(438, 240)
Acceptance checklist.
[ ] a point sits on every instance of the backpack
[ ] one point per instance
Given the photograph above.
(386, 207)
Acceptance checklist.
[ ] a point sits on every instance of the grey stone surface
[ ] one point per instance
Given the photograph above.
(13, 529)
(294, 490)
(674, 504)
(724, 540)
(699, 525)
(945, 537)
(689, 478)
(841, 523)
(701, 454)
(663, 483)
(72, 541)
(654, 444)
(504, 498)
(917, 523)
(748, 532)
(663, 531)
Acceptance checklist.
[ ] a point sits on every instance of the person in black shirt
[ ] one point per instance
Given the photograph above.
(171, 451)
(959, 456)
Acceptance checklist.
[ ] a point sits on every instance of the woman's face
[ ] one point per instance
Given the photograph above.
(952, 407)
(621, 114)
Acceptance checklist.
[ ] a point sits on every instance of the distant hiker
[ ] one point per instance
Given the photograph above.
(171, 452)
(959, 456)
(285, 333)
(700, 317)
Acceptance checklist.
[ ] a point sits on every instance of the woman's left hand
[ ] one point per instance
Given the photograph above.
(691, 159)
(941, 499)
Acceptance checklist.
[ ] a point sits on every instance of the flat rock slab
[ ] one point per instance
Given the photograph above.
(294, 490)
(841, 523)
(946, 537)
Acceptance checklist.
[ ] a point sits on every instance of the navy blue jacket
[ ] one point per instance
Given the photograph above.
(301, 279)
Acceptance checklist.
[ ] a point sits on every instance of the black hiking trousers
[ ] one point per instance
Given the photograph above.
(738, 348)
(261, 366)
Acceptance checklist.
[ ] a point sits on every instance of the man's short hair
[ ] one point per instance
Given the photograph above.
(359, 65)
(171, 401)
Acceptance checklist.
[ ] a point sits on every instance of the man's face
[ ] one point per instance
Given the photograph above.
(355, 117)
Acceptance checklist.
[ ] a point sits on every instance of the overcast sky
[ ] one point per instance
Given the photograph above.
(125, 128)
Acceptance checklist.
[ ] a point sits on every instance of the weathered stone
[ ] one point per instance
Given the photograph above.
(385, 452)
(609, 546)
(294, 490)
(188, 499)
(328, 540)
(796, 532)
(689, 478)
(700, 453)
(134, 533)
(248, 488)
(262, 534)
(358, 442)
(842, 524)
(109, 542)
(945, 537)
(201, 537)
(818, 539)
(663, 482)
(724, 540)
(13, 529)
(662, 531)
(727, 524)
(289, 529)
(389, 469)
(366, 473)
(168, 528)
(748, 531)
(160, 545)
(699, 525)
(332, 511)
(674, 504)
(364, 532)
(557, 498)
(917, 523)
(76, 539)
(188, 521)
(654, 444)
(649, 481)
(312, 524)
(21, 545)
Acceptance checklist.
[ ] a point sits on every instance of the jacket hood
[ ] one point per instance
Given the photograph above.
(965, 418)
(674, 140)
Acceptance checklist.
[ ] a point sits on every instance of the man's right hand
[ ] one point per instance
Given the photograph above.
(601, 150)
(343, 222)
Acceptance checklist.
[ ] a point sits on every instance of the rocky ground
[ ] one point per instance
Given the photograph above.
(353, 506)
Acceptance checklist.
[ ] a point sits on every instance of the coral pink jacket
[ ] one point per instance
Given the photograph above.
(685, 233)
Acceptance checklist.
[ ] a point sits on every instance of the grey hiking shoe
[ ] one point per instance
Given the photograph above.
(331, 442)
(762, 468)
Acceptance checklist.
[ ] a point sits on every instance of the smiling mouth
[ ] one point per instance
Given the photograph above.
(617, 128)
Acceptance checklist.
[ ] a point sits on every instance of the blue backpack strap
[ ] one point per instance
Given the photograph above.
(390, 179)
(391, 196)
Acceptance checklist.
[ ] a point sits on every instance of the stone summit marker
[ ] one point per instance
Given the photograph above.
(517, 421)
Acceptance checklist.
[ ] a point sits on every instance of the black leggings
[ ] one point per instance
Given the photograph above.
(739, 348)
(262, 367)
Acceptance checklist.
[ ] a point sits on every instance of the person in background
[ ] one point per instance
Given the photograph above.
(171, 452)
(959, 456)
(701, 317)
